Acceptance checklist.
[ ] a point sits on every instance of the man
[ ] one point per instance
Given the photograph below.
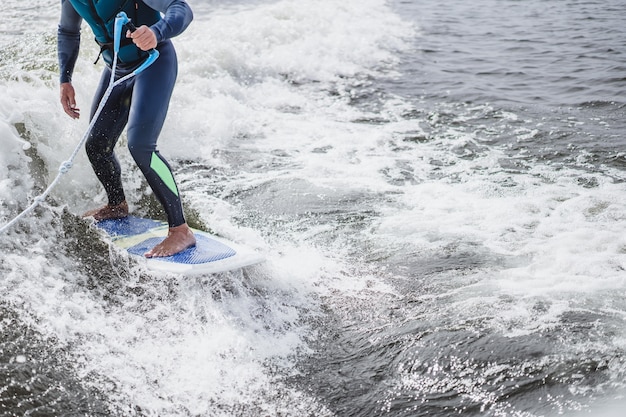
(140, 103)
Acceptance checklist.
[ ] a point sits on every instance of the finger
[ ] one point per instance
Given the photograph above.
(138, 32)
(71, 110)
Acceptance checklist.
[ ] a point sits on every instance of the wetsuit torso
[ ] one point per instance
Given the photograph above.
(140, 104)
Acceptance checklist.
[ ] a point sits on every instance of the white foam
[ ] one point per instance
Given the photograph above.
(234, 65)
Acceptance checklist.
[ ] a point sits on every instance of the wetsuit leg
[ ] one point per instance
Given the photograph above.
(104, 135)
(150, 101)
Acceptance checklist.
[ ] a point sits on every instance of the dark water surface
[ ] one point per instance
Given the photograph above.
(438, 188)
(559, 66)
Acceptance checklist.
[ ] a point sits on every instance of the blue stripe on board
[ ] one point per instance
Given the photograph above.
(206, 250)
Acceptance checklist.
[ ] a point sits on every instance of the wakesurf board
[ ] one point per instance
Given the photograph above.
(211, 254)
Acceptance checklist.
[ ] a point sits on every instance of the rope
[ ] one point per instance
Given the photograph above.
(64, 168)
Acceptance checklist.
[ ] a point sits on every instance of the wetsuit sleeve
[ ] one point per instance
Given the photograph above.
(68, 40)
(177, 15)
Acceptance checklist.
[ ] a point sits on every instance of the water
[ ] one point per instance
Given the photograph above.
(438, 189)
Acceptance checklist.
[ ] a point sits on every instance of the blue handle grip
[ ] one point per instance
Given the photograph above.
(153, 54)
(120, 20)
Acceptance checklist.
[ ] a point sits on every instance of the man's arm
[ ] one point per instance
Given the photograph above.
(68, 44)
(177, 15)
(68, 40)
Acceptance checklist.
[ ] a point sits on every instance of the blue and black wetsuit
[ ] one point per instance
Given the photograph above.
(141, 103)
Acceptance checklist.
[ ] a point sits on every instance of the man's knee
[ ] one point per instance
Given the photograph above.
(140, 154)
(96, 148)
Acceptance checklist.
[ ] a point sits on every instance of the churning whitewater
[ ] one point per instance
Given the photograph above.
(438, 191)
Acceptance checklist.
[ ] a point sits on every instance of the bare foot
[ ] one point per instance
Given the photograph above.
(178, 239)
(109, 212)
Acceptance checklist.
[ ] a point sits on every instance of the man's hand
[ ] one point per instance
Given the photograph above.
(143, 37)
(68, 100)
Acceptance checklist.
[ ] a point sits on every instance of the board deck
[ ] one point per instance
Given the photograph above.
(210, 255)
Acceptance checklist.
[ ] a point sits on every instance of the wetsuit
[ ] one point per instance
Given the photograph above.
(140, 103)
